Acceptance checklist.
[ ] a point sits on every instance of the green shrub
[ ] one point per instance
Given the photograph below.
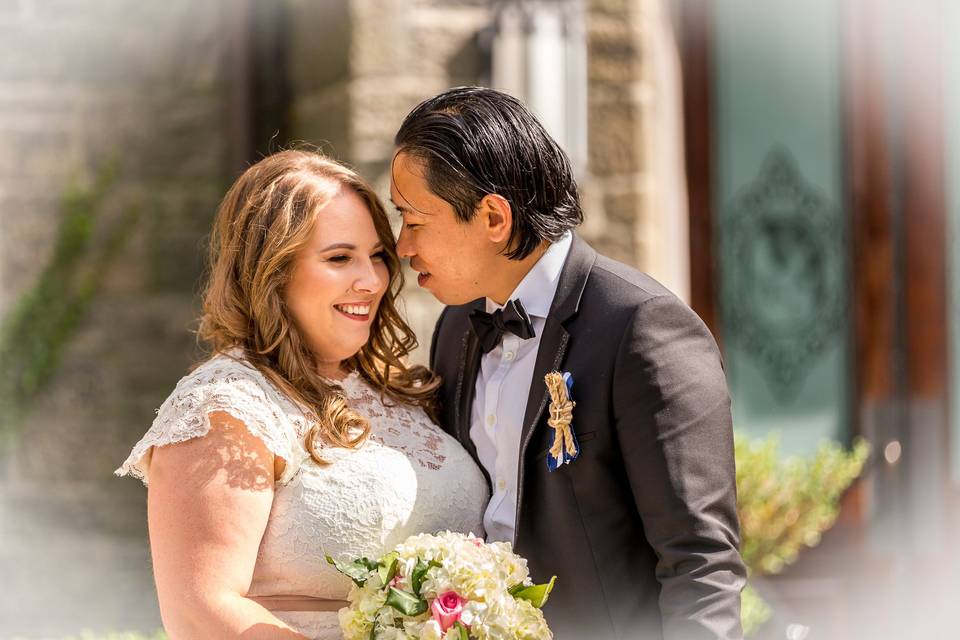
(785, 504)
(753, 611)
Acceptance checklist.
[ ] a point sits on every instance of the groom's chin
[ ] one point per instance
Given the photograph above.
(450, 298)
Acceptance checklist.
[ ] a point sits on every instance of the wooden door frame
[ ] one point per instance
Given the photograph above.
(899, 344)
(694, 27)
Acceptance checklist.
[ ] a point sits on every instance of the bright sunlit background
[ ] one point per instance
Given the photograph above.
(790, 168)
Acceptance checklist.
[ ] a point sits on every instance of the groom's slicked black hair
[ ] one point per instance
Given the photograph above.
(475, 141)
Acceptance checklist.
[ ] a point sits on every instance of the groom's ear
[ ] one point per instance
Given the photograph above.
(497, 217)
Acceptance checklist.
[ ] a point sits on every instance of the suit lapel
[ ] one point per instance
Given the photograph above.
(466, 390)
(555, 339)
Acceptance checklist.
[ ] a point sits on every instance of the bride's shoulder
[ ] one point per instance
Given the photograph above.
(225, 383)
(230, 363)
(228, 382)
(223, 371)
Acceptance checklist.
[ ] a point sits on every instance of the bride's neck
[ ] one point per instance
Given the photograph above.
(332, 370)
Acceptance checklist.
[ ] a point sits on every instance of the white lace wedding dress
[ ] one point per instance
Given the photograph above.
(409, 477)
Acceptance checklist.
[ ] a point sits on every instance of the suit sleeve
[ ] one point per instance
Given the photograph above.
(672, 415)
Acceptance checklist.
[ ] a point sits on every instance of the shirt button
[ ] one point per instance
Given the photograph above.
(501, 485)
(509, 356)
(491, 419)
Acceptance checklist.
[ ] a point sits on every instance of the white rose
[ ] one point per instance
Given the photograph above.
(431, 631)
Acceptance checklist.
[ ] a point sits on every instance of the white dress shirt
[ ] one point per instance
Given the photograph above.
(503, 383)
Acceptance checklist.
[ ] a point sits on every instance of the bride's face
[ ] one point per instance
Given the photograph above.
(337, 281)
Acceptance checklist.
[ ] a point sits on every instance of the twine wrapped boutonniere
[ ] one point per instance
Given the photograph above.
(564, 448)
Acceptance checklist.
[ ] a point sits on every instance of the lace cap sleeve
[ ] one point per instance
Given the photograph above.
(231, 386)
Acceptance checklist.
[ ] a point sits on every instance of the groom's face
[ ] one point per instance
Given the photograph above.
(450, 256)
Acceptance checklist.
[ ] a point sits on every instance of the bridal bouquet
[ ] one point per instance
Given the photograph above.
(447, 586)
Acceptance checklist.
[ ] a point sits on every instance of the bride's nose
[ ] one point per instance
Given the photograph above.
(369, 280)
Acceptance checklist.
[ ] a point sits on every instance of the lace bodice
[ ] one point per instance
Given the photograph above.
(408, 477)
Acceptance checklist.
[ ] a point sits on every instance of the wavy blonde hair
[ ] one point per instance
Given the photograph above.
(263, 222)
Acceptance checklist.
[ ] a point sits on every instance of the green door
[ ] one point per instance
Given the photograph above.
(780, 224)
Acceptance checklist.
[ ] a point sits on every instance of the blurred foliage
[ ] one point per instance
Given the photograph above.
(753, 611)
(785, 504)
(45, 317)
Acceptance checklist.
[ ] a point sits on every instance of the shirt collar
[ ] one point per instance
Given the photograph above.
(538, 287)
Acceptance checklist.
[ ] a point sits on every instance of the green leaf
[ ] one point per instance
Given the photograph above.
(406, 603)
(420, 574)
(387, 568)
(358, 570)
(462, 629)
(537, 594)
(515, 589)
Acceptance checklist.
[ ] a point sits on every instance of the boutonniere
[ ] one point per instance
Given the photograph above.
(564, 448)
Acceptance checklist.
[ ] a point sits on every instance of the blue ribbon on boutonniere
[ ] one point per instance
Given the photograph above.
(564, 447)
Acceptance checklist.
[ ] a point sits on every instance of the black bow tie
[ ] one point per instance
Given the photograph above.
(490, 327)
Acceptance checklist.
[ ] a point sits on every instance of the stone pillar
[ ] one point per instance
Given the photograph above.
(635, 197)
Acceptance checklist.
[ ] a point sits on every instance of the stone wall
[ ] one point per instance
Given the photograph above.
(635, 198)
(84, 83)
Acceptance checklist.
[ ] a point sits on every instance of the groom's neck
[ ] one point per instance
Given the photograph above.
(507, 274)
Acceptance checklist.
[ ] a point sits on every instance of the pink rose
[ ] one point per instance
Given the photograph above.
(446, 609)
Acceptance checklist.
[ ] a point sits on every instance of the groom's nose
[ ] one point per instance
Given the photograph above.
(405, 247)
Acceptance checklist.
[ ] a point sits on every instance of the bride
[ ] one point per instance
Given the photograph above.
(305, 434)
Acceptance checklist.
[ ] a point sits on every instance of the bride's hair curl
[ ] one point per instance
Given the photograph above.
(263, 222)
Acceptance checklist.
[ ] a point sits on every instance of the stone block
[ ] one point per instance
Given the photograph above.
(162, 137)
(322, 119)
(613, 138)
(380, 32)
(454, 55)
(118, 49)
(320, 43)
(619, 9)
(379, 109)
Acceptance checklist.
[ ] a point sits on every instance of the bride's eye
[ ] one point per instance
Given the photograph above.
(380, 256)
(339, 259)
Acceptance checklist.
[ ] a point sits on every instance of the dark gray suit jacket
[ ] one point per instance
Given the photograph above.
(641, 530)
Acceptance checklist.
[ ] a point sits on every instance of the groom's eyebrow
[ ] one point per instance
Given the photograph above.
(410, 209)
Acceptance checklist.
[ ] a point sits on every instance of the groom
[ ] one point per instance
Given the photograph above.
(641, 526)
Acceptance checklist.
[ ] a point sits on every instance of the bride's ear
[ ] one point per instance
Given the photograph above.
(497, 217)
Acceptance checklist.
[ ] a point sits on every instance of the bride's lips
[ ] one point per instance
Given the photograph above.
(359, 312)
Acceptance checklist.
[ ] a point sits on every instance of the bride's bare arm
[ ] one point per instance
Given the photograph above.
(208, 503)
